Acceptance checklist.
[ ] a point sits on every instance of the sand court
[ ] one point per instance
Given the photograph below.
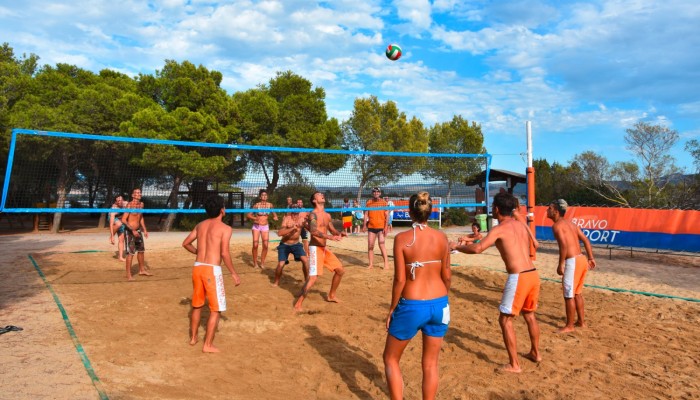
(135, 334)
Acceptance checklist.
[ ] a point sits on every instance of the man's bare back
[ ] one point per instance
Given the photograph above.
(513, 242)
(567, 235)
(212, 236)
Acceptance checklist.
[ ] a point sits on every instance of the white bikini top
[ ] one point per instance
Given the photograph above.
(418, 264)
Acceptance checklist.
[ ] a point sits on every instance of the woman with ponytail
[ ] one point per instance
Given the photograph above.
(419, 297)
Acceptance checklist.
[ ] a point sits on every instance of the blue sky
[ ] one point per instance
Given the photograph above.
(582, 72)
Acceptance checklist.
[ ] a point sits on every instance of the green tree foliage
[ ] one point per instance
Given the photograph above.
(374, 126)
(455, 137)
(603, 179)
(191, 106)
(50, 104)
(653, 180)
(693, 147)
(544, 181)
(288, 112)
(67, 98)
(15, 79)
(651, 145)
(558, 181)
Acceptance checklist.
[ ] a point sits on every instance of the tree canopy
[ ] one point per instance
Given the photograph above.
(288, 112)
(455, 137)
(374, 126)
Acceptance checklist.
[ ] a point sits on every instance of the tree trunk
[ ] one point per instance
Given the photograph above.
(172, 203)
(108, 202)
(61, 188)
(272, 185)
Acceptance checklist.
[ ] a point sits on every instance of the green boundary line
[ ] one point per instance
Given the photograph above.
(71, 331)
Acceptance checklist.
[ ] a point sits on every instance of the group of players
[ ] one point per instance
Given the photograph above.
(422, 273)
(130, 229)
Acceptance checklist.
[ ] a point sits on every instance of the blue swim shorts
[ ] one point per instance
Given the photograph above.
(430, 316)
(284, 250)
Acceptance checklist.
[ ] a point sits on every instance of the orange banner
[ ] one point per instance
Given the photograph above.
(630, 227)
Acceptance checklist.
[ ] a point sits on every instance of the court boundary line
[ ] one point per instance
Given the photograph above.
(79, 347)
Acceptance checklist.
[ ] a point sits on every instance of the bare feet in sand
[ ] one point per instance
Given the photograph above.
(580, 324)
(145, 273)
(533, 357)
(194, 341)
(511, 369)
(332, 299)
(130, 278)
(210, 349)
(565, 329)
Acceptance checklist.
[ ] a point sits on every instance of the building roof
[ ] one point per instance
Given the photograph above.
(497, 175)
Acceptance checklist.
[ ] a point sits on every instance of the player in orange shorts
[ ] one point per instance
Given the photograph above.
(213, 237)
(573, 265)
(319, 222)
(522, 287)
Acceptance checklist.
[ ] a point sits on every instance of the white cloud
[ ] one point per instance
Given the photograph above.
(566, 66)
(417, 12)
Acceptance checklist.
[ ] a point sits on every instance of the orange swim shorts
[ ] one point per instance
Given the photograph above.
(575, 270)
(320, 257)
(521, 293)
(208, 283)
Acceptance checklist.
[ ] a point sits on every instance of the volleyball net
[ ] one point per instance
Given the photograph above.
(50, 172)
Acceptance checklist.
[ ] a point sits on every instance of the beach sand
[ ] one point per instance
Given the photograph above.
(134, 335)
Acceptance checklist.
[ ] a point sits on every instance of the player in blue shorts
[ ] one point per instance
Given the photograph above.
(421, 271)
(289, 234)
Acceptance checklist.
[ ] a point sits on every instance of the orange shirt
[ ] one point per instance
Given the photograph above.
(376, 219)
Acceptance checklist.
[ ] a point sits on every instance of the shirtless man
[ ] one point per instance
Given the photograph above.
(289, 234)
(522, 287)
(573, 265)
(319, 222)
(135, 232)
(213, 237)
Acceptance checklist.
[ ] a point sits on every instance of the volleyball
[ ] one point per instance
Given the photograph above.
(393, 52)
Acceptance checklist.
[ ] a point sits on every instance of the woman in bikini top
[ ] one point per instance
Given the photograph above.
(421, 257)
(421, 281)
(261, 229)
(260, 218)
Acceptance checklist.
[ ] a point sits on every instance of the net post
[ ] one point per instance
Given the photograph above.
(530, 174)
(10, 161)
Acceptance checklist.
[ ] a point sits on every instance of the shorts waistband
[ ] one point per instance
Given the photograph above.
(201, 264)
(438, 300)
(529, 270)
